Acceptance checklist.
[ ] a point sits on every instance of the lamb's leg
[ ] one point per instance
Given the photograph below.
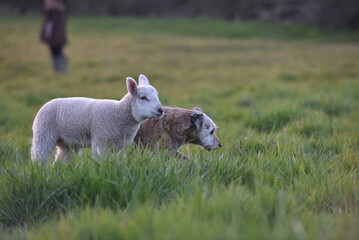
(76, 150)
(177, 154)
(182, 156)
(97, 149)
(41, 148)
(63, 153)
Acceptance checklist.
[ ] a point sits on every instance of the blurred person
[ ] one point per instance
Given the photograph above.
(53, 33)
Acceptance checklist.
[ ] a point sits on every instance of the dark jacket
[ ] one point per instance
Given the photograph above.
(53, 31)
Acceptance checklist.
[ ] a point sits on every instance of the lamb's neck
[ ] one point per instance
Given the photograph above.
(125, 104)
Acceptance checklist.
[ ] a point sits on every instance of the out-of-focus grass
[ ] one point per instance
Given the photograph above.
(204, 28)
(286, 100)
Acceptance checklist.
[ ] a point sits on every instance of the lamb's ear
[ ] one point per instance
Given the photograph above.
(131, 85)
(197, 109)
(142, 80)
(197, 120)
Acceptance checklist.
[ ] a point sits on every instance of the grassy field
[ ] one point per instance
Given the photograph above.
(286, 98)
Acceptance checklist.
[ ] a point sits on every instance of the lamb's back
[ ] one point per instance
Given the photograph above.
(72, 116)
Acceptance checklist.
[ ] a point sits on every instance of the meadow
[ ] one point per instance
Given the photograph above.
(285, 98)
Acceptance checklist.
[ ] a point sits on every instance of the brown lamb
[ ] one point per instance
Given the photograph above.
(176, 127)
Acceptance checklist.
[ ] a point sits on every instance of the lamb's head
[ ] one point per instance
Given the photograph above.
(145, 101)
(205, 128)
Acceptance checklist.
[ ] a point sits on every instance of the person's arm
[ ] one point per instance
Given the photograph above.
(48, 29)
(49, 25)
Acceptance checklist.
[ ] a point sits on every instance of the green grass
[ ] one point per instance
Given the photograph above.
(286, 100)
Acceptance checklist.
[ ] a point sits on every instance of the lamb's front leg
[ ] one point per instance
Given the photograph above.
(178, 155)
(97, 149)
(182, 156)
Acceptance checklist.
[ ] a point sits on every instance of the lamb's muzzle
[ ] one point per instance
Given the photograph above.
(158, 112)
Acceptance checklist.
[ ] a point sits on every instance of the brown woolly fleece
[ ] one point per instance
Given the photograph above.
(174, 129)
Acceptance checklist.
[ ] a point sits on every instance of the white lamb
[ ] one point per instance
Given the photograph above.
(74, 123)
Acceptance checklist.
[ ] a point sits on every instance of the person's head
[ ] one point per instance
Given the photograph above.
(53, 3)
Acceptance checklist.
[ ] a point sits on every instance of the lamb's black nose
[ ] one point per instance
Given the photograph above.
(160, 110)
(219, 145)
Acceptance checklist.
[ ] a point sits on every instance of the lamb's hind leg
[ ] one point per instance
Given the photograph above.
(62, 153)
(41, 148)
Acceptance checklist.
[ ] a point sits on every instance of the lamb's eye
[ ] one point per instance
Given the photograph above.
(211, 132)
(144, 98)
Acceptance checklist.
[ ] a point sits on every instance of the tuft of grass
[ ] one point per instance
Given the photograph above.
(272, 121)
(289, 77)
(330, 106)
(309, 129)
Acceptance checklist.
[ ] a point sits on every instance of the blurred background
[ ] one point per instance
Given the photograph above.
(324, 13)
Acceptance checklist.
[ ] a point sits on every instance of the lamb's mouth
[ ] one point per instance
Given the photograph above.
(208, 148)
(157, 114)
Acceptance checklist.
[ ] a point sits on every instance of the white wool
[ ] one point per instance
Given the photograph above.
(85, 122)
